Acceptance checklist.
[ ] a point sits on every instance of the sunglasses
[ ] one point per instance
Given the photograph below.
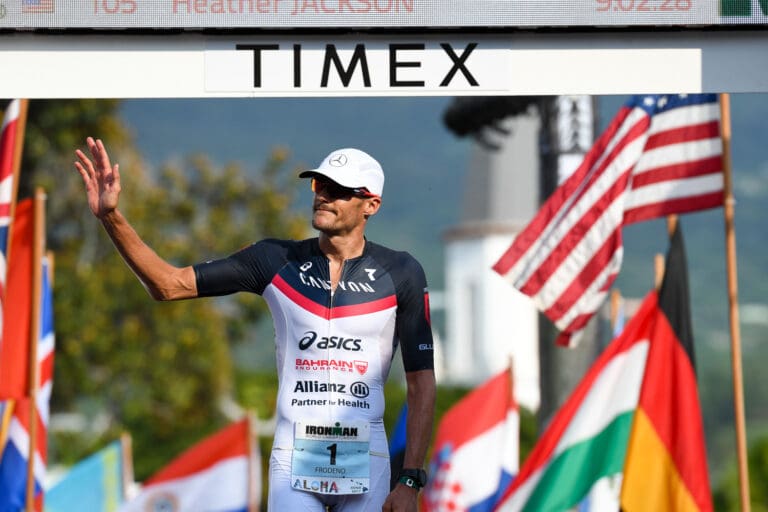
(336, 191)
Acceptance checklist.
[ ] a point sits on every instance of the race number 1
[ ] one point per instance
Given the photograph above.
(331, 458)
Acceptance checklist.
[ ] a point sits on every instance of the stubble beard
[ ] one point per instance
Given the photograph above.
(323, 225)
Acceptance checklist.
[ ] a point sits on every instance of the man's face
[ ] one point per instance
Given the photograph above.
(337, 210)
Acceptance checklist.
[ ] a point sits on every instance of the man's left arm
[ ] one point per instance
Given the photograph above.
(421, 408)
(416, 345)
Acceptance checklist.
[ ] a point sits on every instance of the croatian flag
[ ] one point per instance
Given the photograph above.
(476, 450)
(214, 475)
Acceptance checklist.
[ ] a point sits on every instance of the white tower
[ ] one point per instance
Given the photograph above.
(487, 320)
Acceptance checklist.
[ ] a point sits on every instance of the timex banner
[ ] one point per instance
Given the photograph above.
(343, 65)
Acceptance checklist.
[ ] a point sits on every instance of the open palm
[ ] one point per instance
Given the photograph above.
(102, 179)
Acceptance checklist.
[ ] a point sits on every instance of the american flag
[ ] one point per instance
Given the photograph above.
(661, 154)
(37, 6)
(8, 136)
(15, 455)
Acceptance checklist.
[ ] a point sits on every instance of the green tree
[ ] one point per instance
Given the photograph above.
(726, 494)
(156, 370)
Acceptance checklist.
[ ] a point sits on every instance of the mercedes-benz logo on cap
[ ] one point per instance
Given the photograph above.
(338, 160)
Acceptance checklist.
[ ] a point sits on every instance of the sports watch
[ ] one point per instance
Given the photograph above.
(413, 478)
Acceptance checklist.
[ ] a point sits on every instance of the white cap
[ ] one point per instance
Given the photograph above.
(351, 168)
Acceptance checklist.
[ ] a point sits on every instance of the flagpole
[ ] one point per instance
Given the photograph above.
(34, 335)
(126, 448)
(252, 498)
(512, 373)
(733, 302)
(658, 270)
(18, 147)
(659, 260)
(6, 422)
(614, 307)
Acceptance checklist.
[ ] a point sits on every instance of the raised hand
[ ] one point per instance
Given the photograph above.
(102, 180)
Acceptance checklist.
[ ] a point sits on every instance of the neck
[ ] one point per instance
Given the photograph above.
(340, 248)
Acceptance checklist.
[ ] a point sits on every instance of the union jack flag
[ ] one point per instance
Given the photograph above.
(15, 456)
(8, 136)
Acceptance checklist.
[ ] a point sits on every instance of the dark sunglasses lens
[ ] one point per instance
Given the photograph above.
(333, 189)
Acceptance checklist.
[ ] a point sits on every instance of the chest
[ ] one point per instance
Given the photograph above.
(350, 283)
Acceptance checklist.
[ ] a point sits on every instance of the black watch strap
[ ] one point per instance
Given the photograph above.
(413, 478)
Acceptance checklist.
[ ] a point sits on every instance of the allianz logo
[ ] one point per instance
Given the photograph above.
(357, 389)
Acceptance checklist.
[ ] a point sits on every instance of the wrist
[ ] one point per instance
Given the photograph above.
(413, 478)
(409, 483)
(413, 490)
(109, 216)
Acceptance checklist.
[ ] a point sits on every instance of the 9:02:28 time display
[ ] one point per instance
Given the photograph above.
(643, 5)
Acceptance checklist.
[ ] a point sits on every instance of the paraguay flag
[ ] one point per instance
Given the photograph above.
(476, 450)
(215, 475)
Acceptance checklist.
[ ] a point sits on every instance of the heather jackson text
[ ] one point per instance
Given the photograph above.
(292, 7)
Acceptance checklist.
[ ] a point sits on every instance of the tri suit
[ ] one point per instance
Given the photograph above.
(334, 349)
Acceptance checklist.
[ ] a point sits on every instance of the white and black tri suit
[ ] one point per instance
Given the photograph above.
(334, 350)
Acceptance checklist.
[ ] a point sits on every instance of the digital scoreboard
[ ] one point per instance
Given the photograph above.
(416, 14)
(281, 48)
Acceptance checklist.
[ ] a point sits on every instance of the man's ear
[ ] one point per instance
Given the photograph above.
(372, 206)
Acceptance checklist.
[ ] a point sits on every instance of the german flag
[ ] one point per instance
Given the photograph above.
(666, 464)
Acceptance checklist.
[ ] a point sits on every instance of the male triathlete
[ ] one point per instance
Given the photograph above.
(340, 305)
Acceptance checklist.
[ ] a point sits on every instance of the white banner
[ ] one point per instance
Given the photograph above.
(36, 65)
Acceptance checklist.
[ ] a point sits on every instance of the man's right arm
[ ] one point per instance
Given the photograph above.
(162, 280)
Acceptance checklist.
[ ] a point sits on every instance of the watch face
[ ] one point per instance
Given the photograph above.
(419, 475)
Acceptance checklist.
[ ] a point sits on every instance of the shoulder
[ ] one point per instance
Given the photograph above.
(385, 254)
(398, 263)
(276, 246)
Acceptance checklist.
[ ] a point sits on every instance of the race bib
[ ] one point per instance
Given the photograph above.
(332, 457)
